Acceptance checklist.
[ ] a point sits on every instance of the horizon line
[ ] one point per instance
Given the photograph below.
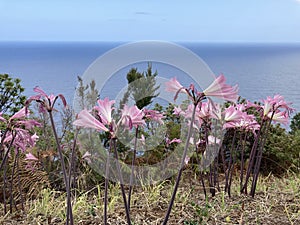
(172, 41)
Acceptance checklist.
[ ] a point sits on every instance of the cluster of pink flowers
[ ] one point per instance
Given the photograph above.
(218, 89)
(105, 118)
(18, 134)
(101, 117)
(19, 127)
(276, 109)
(234, 116)
(47, 102)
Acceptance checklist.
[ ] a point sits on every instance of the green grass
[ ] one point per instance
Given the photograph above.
(277, 201)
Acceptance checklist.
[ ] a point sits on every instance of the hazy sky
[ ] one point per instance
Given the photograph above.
(131, 20)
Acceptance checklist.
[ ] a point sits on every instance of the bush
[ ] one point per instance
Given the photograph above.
(282, 151)
(11, 98)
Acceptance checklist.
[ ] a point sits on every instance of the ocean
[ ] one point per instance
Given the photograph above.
(259, 69)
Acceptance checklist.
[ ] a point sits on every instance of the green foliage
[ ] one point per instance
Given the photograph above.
(295, 123)
(281, 151)
(295, 151)
(11, 98)
(142, 87)
(87, 95)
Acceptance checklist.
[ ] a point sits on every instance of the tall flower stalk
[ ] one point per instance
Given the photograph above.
(15, 140)
(273, 110)
(132, 166)
(113, 142)
(218, 89)
(103, 121)
(181, 167)
(46, 104)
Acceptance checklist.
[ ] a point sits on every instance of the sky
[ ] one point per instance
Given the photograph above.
(135, 20)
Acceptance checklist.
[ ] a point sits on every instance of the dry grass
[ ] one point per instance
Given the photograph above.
(277, 202)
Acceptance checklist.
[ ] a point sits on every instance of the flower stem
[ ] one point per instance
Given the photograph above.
(69, 205)
(229, 168)
(106, 184)
(259, 157)
(106, 189)
(181, 167)
(251, 163)
(132, 167)
(242, 160)
(8, 150)
(12, 182)
(4, 164)
(113, 141)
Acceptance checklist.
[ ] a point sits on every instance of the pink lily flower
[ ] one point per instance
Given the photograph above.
(232, 114)
(280, 117)
(213, 140)
(87, 157)
(219, 89)
(104, 109)
(174, 86)
(34, 137)
(20, 114)
(87, 120)
(277, 102)
(174, 140)
(154, 115)
(189, 111)
(19, 118)
(205, 111)
(46, 101)
(29, 124)
(22, 139)
(241, 107)
(132, 116)
(247, 122)
(30, 156)
(187, 114)
(177, 111)
(268, 107)
(250, 124)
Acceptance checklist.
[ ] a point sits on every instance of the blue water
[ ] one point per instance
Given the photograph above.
(260, 70)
